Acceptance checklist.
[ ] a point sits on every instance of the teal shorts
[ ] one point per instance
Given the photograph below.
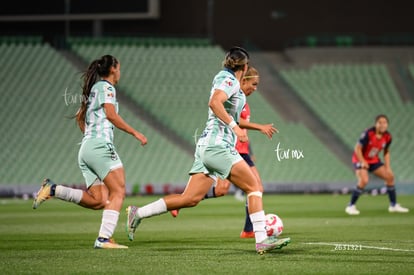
(96, 158)
(215, 160)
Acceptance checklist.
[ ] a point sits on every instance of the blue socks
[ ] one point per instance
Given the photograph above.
(390, 190)
(392, 195)
(355, 195)
(248, 226)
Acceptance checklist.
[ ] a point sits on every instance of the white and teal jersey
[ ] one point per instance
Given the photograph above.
(96, 123)
(216, 131)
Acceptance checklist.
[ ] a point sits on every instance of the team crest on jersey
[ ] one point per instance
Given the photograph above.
(109, 90)
(229, 83)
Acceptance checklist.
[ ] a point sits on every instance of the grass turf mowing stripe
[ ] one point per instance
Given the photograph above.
(58, 238)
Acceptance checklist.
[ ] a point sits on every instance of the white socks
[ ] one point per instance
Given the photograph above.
(259, 222)
(109, 222)
(154, 208)
(68, 194)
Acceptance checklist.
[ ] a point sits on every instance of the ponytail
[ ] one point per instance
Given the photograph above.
(97, 69)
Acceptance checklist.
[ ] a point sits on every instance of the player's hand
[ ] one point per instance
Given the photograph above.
(241, 135)
(268, 130)
(364, 165)
(141, 138)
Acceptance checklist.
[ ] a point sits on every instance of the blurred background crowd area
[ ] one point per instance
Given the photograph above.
(327, 69)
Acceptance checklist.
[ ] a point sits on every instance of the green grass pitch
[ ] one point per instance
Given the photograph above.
(58, 238)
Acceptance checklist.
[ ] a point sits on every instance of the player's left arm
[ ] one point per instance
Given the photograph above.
(387, 155)
(387, 158)
(266, 129)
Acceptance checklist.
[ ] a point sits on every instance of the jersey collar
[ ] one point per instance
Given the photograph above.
(230, 71)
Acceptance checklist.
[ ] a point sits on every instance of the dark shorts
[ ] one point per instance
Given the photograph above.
(247, 158)
(372, 166)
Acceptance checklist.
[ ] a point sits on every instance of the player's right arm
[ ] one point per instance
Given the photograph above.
(363, 141)
(216, 104)
(360, 156)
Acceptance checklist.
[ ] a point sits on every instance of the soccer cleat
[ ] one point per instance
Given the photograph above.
(107, 244)
(398, 209)
(44, 193)
(246, 234)
(351, 210)
(132, 221)
(174, 212)
(271, 243)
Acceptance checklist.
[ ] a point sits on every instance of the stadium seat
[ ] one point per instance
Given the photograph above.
(348, 97)
(42, 140)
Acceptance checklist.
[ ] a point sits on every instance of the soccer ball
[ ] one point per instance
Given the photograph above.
(274, 225)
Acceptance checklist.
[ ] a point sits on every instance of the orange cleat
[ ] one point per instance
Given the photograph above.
(247, 234)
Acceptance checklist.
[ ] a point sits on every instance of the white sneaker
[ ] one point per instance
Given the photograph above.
(351, 210)
(398, 209)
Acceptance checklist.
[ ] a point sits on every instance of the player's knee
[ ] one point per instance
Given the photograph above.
(219, 192)
(222, 188)
(192, 201)
(390, 179)
(100, 204)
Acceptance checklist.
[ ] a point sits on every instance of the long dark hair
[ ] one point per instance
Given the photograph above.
(97, 69)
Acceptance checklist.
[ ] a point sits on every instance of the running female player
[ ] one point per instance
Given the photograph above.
(215, 155)
(366, 160)
(248, 85)
(98, 160)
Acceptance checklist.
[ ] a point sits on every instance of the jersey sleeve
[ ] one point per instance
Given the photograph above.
(388, 144)
(107, 95)
(364, 138)
(244, 114)
(227, 84)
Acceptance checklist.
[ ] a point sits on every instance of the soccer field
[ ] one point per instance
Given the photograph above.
(58, 238)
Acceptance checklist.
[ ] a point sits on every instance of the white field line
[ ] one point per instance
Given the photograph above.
(362, 246)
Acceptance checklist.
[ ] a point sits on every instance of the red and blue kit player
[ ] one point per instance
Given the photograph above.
(243, 147)
(366, 160)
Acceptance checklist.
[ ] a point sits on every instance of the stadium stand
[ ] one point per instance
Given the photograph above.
(347, 97)
(172, 82)
(39, 141)
(19, 40)
(411, 69)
